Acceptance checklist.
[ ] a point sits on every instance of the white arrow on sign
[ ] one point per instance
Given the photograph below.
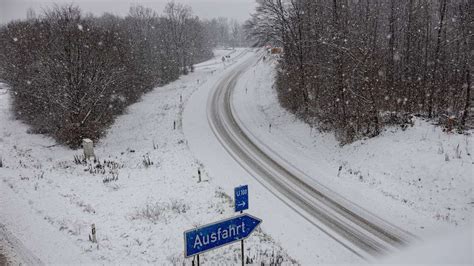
(241, 204)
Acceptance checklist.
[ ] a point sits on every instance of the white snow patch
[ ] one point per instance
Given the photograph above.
(453, 248)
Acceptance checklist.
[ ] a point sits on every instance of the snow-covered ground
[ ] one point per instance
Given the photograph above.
(141, 197)
(448, 248)
(145, 191)
(419, 179)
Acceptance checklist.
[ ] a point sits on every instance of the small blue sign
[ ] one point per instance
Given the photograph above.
(218, 234)
(241, 196)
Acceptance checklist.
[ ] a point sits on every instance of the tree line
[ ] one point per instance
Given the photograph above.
(70, 74)
(354, 66)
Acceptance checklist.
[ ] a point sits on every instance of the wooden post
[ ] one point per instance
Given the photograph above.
(94, 238)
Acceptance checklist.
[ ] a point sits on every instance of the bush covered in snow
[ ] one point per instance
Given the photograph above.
(71, 75)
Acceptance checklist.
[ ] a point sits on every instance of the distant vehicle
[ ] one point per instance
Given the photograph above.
(227, 56)
(276, 50)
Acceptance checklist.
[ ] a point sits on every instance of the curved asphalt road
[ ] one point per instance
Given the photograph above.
(360, 231)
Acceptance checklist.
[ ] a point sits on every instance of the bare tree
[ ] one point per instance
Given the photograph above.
(354, 66)
(72, 75)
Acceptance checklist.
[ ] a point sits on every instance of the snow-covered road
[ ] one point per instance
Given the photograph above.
(230, 168)
(265, 160)
(338, 217)
(358, 230)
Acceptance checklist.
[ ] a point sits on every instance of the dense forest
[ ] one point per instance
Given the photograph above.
(353, 66)
(70, 74)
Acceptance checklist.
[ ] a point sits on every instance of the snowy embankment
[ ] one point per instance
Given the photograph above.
(419, 179)
(141, 196)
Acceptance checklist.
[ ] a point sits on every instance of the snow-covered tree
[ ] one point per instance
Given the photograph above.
(357, 65)
(71, 75)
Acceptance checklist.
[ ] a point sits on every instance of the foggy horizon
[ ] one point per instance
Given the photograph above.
(239, 10)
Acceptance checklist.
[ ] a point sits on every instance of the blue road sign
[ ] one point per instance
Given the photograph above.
(218, 234)
(241, 196)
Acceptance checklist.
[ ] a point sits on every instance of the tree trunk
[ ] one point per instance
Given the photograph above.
(442, 14)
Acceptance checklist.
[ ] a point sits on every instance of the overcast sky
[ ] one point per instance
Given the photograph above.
(237, 9)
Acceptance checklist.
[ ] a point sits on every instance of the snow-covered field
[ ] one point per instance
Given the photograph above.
(145, 191)
(141, 197)
(419, 179)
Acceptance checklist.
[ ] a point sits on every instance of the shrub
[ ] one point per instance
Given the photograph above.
(72, 75)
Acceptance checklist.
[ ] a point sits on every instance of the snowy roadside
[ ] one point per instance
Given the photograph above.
(419, 179)
(141, 196)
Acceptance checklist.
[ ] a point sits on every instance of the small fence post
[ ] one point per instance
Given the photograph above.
(93, 238)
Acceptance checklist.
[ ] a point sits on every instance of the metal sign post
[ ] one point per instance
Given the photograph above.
(241, 199)
(242, 248)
